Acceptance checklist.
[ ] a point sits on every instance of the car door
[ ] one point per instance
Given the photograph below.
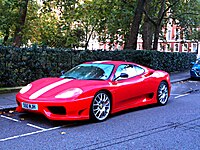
(130, 91)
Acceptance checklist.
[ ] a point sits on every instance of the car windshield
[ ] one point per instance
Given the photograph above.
(90, 72)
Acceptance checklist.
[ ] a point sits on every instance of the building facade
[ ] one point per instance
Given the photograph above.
(174, 40)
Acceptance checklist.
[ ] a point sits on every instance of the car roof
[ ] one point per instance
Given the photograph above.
(109, 62)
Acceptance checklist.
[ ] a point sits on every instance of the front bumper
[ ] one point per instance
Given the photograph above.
(78, 109)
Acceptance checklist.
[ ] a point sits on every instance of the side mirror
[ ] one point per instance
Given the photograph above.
(122, 75)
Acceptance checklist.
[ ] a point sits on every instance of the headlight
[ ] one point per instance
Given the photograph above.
(69, 93)
(25, 89)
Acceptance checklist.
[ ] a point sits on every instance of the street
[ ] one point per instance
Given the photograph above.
(174, 126)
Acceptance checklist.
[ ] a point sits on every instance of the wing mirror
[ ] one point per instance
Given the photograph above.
(122, 75)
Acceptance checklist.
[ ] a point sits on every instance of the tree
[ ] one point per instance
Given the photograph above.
(22, 18)
(160, 13)
(65, 32)
(132, 38)
(116, 25)
(31, 33)
(72, 23)
(186, 14)
(87, 20)
(95, 17)
(147, 28)
(161, 7)
(8, 17)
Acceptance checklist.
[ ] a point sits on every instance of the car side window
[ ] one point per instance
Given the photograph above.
(130, 70)
(139, 70)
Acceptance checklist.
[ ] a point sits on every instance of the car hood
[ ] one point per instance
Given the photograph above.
(50, 87)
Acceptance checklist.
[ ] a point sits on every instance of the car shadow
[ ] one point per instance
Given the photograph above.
(194, 79)
(42, 121)
(134, 110)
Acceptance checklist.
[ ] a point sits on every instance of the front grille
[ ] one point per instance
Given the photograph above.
(58, 110)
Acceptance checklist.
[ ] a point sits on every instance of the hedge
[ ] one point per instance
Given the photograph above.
(19, 66)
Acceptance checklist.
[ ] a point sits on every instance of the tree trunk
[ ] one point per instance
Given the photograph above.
(156, 37)
(147, 35)
(132, 38)
(88, 39)
(158, 25)
(147, 29)
(22, 18)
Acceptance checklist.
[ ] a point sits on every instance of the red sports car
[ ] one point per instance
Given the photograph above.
(94, 90)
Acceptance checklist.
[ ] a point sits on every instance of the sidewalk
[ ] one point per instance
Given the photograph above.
(7, 96)
(180, 76)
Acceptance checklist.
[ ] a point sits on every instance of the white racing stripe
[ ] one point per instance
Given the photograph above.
(99, 62)
(47, 88)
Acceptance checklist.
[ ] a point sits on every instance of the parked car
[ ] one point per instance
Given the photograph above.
(94, 90)
(195, 71)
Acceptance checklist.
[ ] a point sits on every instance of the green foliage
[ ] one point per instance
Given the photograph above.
(115, 20)
(71, 23)
(21, 66)
(8, 19)
(186, 14)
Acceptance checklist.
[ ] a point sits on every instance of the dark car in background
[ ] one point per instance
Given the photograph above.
(195, 71)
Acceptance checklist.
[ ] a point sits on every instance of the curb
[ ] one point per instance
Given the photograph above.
(8, 107)
(179, 80)
(9, 90)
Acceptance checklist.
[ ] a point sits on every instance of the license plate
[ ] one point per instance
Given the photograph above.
(29, 106)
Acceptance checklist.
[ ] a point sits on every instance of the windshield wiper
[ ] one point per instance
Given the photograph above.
(69, 77)
(95, 79)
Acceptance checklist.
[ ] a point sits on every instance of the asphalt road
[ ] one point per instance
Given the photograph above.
(174, 126)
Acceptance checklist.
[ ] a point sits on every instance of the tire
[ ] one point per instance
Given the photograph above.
(163, 93)
(100, 107)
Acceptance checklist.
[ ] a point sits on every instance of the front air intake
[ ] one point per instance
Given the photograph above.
(58, 110)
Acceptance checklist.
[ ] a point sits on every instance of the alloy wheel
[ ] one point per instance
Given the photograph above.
(101, 106)
(163, 94)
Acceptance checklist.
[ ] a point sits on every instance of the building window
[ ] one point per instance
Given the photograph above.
(161, 47)
(176, 47)
(185, 47)
(178, 34)
(169, 34)
(167, 48)
(140, 46)
(174, 36)
(194, 47)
